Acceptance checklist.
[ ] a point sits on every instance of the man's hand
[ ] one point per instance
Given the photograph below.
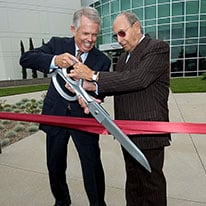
(65, 60)
(88, 86)
(84, 105)
(81, 71)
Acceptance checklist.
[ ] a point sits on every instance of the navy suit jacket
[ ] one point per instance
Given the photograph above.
(40, 59)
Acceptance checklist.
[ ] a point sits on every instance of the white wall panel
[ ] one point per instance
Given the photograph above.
(37, 19)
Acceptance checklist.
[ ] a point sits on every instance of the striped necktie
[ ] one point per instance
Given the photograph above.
(79, 53)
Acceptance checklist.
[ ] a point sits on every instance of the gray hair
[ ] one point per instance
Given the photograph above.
(89, 12)
(131, 17)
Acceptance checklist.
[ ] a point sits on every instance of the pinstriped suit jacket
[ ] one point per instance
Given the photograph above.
(141, 88)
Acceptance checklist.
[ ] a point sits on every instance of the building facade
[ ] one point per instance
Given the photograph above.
(180, 23)
(25, 19)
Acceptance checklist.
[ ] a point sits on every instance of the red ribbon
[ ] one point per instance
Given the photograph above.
(129, 127)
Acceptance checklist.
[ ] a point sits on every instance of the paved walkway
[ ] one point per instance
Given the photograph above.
(23, 173)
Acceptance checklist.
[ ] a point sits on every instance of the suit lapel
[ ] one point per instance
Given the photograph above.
(91, 58)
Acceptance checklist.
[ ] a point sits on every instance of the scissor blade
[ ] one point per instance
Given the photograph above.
(102, 117)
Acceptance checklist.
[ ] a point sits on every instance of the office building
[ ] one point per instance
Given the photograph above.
(180, 23)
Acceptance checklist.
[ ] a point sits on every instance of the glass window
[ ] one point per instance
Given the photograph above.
(114, 6)
(191, 41)
(191, 51)
(202, 17)
(164, 32)
(192, 18)
(151, 31)
(106, 38)
(106, 22)
(139, 13)
(177, 31)
(125, 5)
(163, 10)
(191, 65)
(105, 9)
(150, 22)
(202, 64)
(161, 1)
(178, 19)
(202, 40)
(150, 12)
(202, 28)
(149, 2)
(192, 7)
(203, 6)
(176, 67)
(203, 51)
(177, 42)
(136, 3)
(178, 9)
(191, 29)
(176, 52)
(113, 17)
(164, 21)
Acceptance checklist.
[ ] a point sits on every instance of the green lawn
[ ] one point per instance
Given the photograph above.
(22, 89)
(177, 85)
(187, 85)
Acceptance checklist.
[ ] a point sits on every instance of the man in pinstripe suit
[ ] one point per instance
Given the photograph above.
(140, 86)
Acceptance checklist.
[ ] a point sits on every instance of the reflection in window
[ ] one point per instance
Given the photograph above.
(139, 13)
(203, 6)
(150, 12)
(106, 21)
(203, 51)
(125, 5)
(177, 31)
(164, 32)
(149, 2)
(178, 19)
(178, 9)
(192, 18)
(150, 23)
(114, 6)
(177, 42)
(202, 64)
(191, 65)
(151, 31)
(176, 52)
(163, 10)
(105, 9)
(177, 68)
(136, 3)
(191, 51)
(202, 29)
(192, 7)
(191, 29)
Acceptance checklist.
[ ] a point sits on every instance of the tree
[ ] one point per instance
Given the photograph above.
(31, 47)
(24, 72)
(45, 74)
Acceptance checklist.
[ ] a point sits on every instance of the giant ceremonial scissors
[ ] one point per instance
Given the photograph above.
(99, 114)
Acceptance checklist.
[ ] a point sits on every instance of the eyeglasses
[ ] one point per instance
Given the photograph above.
(120, 33)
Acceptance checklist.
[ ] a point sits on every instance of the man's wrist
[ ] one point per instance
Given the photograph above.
(95, 76)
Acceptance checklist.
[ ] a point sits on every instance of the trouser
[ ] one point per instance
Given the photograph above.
(143, 188)
(87, 145)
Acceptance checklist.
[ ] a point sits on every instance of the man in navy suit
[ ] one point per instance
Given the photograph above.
(56, 53)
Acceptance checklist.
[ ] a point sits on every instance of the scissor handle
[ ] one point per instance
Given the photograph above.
(76, 85)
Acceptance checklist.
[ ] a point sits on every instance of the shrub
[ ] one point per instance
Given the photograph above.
(10, 134)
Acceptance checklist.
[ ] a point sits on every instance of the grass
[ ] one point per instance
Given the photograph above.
(177, 85)
(22, 89)
(188, 85)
